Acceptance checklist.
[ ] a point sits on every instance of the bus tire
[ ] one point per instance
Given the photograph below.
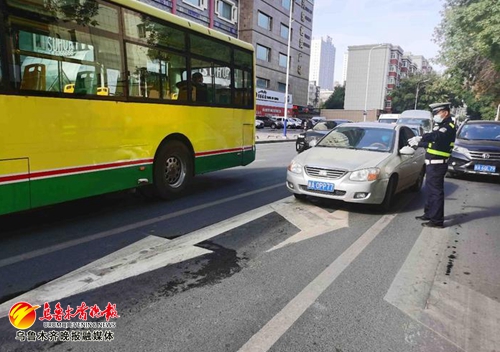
(173, 169)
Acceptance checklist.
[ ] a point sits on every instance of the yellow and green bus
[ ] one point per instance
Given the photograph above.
(96, 96)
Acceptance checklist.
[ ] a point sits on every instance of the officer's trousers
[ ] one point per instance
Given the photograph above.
(434, 184)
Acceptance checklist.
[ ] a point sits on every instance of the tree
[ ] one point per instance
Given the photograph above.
(469, 37)
(432, 88)
(336, 100)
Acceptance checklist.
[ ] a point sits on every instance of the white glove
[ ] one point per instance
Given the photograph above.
(413, 142)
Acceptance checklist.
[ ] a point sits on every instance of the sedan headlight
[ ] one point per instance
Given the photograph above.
(295, 167)
(370, 174)
(462, 150)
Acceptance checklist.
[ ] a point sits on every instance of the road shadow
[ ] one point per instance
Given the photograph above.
(468, 216)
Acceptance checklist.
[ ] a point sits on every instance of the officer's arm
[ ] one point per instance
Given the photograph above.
(428, 138)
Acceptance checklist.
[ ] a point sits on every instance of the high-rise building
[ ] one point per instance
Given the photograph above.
(265, 24)
(345, 63)
(322, 67)
(373, 71)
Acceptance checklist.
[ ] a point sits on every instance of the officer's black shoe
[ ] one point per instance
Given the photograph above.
(422, 217)
(433, 224)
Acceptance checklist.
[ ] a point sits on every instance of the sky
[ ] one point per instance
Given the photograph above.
(407, 23)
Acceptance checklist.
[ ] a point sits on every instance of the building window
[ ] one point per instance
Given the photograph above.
(393, 55)
(263, 53)
(391, 80)
(284, 31)
(286, 4)
(264, 21)
(282, 60)
(226, 10)
(201, 4)
(392, 68)
(262, 83)
(281, 87)
(388, 104)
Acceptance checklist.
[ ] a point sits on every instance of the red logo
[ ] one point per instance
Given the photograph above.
(22, 315)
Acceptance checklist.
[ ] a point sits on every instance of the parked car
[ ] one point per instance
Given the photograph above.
(317, 132)
(360, 163)
(317, 119)
(277, 123)
(259, 124)
(290, 123)
(266, 119)
(388, 118)
(477, 149)
(422, 117)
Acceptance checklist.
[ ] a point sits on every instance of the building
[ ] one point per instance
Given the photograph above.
(265, 24)
(373, 71)
(322, 66)
(421, 63)
(345, 63)
(218, 14)
(313, 98)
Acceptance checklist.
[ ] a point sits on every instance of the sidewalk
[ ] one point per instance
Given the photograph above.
(275, 136)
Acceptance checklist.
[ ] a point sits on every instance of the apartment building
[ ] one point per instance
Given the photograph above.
(374, 70)
(265, 24)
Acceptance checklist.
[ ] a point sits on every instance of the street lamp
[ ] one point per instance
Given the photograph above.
(368, 77)
(416, 94)
(287, 67)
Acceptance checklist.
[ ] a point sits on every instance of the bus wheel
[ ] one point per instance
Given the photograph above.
(173, 169)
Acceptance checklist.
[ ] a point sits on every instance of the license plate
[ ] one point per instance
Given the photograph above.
(486, 168)
(320, 186)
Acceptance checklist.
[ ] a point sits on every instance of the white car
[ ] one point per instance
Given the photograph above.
(360, 163)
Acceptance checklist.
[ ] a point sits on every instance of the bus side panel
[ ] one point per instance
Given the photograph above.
(14, 185)
(59, 189)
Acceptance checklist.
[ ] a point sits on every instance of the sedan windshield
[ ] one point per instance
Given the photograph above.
(487, 131)
(425, 123)
(368, 138)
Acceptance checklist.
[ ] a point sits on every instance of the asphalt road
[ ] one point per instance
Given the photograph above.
(239, 265)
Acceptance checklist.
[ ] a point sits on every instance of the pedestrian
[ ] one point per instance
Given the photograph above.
(439, 144)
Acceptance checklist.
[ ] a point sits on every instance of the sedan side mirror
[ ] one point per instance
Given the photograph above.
(407, 150)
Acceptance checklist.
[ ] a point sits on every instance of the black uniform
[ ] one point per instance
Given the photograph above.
(439, 144)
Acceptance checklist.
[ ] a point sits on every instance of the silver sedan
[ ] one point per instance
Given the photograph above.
(360, 163)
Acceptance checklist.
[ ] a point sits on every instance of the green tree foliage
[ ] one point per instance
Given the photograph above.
(431, 89)
(469, 37)
(336, 100)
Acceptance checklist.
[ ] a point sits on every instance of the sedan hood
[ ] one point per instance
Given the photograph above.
(478, 145)
(338, 158)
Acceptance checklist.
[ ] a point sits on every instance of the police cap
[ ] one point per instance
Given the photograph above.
(437, 107)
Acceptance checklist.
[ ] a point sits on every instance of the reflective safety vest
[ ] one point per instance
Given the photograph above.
(443, 146)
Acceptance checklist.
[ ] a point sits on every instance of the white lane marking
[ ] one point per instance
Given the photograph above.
(143, 256)
(267, 336)
(116, 231)
(464, 317)
(310, 219)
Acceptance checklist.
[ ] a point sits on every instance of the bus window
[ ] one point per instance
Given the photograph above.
(210, 48)
(149, 32)
(243, 81)
(153, 73)
(216, 87)
(69, 61)
(86, 13)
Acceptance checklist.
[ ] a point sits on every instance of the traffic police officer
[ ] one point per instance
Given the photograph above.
(439, 144)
